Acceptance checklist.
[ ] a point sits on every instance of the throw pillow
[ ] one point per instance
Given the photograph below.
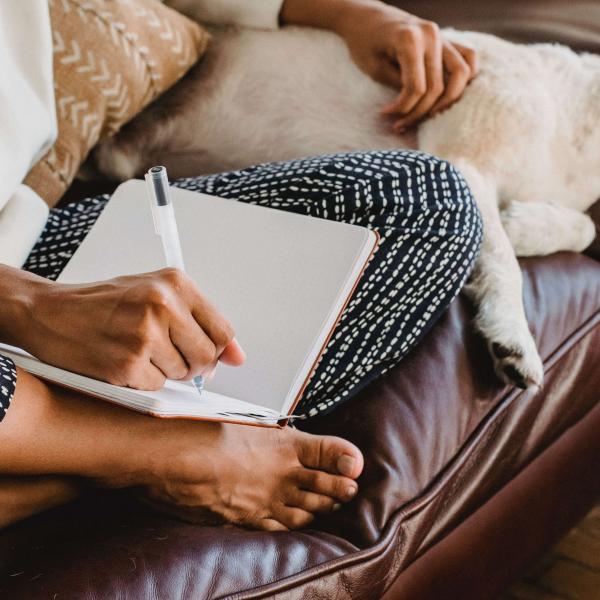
(111, 58)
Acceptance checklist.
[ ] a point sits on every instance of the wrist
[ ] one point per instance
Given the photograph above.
(335, 15)
(351, 13)
(20, 296)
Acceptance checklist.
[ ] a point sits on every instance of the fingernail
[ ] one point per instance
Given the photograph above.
(336, 506)
(345, 465)
(351, 492)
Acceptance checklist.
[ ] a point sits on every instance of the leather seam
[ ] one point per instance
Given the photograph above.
(395, 523)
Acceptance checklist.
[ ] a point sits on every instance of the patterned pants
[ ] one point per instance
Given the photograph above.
(430, 233)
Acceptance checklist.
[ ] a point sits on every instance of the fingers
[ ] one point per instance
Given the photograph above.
(233, 354)
(387, 71)
(459, 74)
(140, 376)
(470, 56)
(459, 62)
(434, 71)
(198, 351)
(409, 51)
(198, 331)
(170, 362)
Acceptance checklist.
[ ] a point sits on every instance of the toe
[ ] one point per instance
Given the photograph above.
(342, 489)
(294, 518)
(331, 454)
(272, 525)
(311, 502)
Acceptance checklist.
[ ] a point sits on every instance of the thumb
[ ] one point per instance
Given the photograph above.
(233, 354)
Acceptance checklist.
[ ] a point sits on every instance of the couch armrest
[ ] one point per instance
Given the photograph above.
(575, 23)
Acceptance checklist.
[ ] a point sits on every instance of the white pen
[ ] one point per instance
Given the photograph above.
(165, 226)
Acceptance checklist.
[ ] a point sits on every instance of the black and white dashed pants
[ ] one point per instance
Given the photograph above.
(430, 233)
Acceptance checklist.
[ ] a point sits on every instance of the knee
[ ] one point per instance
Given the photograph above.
(410, 181)
(458, 200)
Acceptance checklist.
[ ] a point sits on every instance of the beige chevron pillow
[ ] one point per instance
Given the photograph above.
(111, 58)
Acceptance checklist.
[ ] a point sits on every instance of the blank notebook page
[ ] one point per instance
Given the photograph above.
(276, 276)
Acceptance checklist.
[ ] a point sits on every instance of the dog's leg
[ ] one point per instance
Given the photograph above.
(540, 228)
(496, 289)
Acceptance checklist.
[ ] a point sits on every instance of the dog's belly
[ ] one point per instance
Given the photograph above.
(267, 96)
(270, 96)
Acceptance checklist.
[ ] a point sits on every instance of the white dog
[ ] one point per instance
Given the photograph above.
(525, 135)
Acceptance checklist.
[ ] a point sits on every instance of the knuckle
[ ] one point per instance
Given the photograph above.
(409, 34)
(430, 28)
(155, 297)
(139, 341)
(174, 277)
(417, 88)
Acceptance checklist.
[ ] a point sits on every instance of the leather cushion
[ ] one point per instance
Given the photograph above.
(440, 436)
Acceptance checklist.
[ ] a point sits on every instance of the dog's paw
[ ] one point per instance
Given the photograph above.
(114, 161)
(541, 228)
(517, 361)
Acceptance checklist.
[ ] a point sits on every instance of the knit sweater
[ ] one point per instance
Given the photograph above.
(27, 109)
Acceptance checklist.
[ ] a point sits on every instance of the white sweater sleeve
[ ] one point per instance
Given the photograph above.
(27, 121)
(260, 14)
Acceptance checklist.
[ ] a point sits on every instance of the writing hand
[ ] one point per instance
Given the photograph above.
(131, 331)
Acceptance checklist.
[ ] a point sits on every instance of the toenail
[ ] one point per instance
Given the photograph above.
(345, 465)
(351, 492)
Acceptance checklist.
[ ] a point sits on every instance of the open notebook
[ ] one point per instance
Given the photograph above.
(282, 280)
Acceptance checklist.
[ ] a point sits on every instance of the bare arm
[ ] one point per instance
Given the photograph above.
(396, 49)
(134, 331)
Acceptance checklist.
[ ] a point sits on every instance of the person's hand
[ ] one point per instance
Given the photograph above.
(131, 331)
(408, 53)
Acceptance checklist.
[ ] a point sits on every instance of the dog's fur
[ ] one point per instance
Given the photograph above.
(526, 136)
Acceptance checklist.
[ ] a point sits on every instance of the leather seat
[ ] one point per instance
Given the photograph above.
(465, 479)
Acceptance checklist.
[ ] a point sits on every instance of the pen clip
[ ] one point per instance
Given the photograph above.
(152, 201)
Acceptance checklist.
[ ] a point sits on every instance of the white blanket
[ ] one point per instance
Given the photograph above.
(27, 110)
(27, 121)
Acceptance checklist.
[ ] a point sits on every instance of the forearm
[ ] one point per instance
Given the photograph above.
(324, 14)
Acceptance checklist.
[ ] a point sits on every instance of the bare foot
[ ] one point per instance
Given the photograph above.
(272, 479)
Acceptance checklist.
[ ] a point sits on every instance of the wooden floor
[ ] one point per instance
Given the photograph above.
(570, 571)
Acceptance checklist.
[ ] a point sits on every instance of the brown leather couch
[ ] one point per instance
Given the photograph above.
(466, 480)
